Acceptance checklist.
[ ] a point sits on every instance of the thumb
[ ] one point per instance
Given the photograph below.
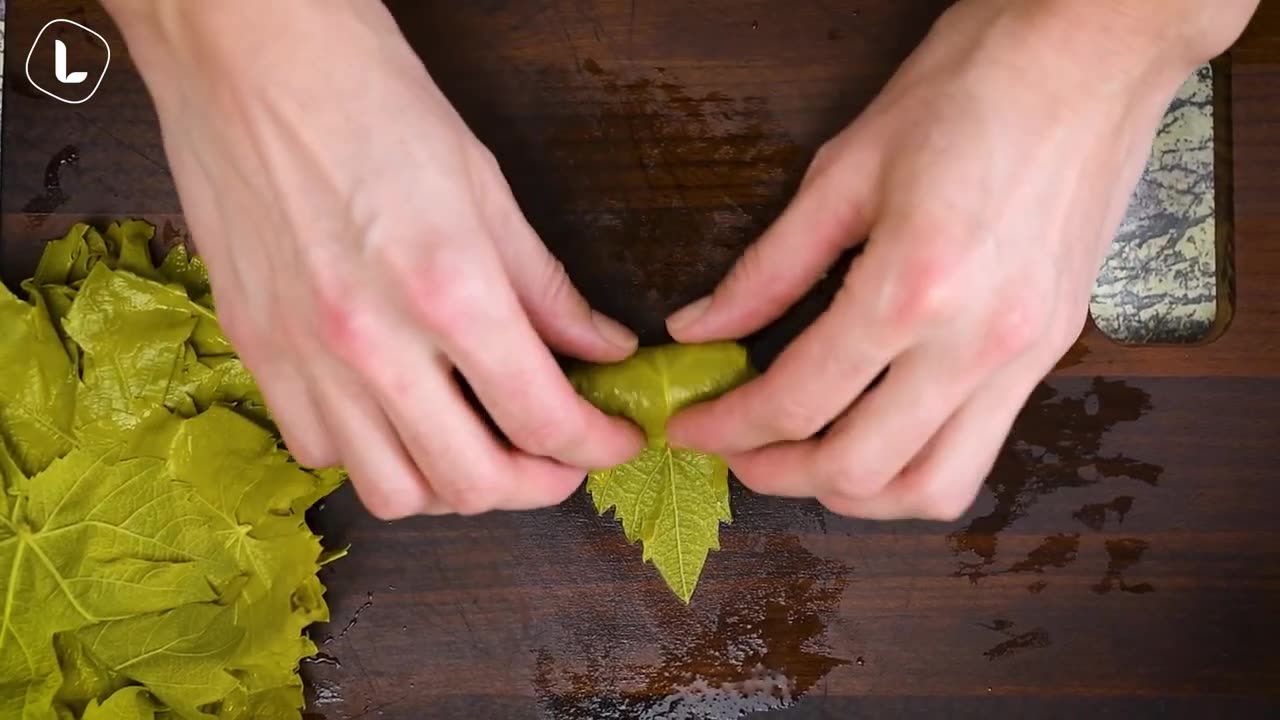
(830, 214)
(557, 311)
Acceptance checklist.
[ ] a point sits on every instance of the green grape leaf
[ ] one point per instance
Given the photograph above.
(94, 540)
(132, 346)
(180, 268)
(85, 679)
(155, 561)
(670, 500)
(180, 656)
(37, 387)
(29, 678)
(130, 703)
(129, 245)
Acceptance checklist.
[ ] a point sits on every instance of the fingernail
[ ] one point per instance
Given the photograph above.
(614, 332)
(689, 314)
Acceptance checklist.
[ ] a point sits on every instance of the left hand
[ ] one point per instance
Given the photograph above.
(988, 179)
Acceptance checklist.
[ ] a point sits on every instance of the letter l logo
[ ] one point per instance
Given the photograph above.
(60, 65)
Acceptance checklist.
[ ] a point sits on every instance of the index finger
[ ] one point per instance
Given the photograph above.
(818, 376)
(465, 298)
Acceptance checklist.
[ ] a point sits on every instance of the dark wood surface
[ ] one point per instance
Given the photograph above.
(1123, 562)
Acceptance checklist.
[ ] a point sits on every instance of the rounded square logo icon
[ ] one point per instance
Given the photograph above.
(67, 61)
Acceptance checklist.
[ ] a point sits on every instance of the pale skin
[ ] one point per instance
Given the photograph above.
(361, 251)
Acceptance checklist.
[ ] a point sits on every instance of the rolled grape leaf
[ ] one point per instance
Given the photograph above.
(669, 500)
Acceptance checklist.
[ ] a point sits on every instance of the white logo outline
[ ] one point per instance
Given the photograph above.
(60, 63)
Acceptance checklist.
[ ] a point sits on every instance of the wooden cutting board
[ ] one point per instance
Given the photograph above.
(1124, 560)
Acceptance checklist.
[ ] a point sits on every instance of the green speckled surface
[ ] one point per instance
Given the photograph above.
(1159, 282)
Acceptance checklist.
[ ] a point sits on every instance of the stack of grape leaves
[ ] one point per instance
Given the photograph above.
(154, 557)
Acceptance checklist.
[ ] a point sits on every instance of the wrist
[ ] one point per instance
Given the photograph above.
(1120, 52)
(254, 46)
(1176, 36)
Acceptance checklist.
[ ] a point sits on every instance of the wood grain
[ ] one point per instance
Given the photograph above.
(1123, 560)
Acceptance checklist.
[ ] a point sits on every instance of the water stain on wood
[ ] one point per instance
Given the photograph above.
(321, 658)
(1017, 641)
(355, 618)
(53, 196)
(1055, 551)
(762, 649)
(1123, 554)
(322, 694)
(1094, 515)
(1056, 443)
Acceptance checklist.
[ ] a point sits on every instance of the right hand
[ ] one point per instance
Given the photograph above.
(362, 244)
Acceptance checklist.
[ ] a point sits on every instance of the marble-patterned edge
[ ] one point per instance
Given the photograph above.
(1160, 280)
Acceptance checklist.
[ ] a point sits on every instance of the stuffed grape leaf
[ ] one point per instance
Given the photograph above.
(154, 557)
(670, 500)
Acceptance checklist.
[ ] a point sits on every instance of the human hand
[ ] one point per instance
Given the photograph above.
(362, 245)
(988, 179)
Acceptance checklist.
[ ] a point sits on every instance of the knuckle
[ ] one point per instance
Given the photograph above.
(832, 154)
(1017, 326)
(484, 160)
(547, 435)
(554, 285)
(841, 505)
(823, 161)
(925, 290)
(474, 488)
(824, 156)
(385, 511)
(846, 481)
(309, 453)
(939, 501)
(749, 271)
(558, 485)
(471, 503)
(337, 317)
(752, 479)
(560, 494)
(848, 486)
(387, 506)
(445, 292)
(471, 495)
(944, 510)
(793, 420)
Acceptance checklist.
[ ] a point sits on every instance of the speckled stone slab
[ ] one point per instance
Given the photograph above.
(1159, 283)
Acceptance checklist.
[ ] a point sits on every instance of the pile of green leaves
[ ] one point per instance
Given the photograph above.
(154, 557)
(670, 500)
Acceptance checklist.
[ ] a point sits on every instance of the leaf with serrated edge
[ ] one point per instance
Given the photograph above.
(86, 511)
(154, 558)
(130, 703)
(37, 387)
(671, 501)
(181, 656)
